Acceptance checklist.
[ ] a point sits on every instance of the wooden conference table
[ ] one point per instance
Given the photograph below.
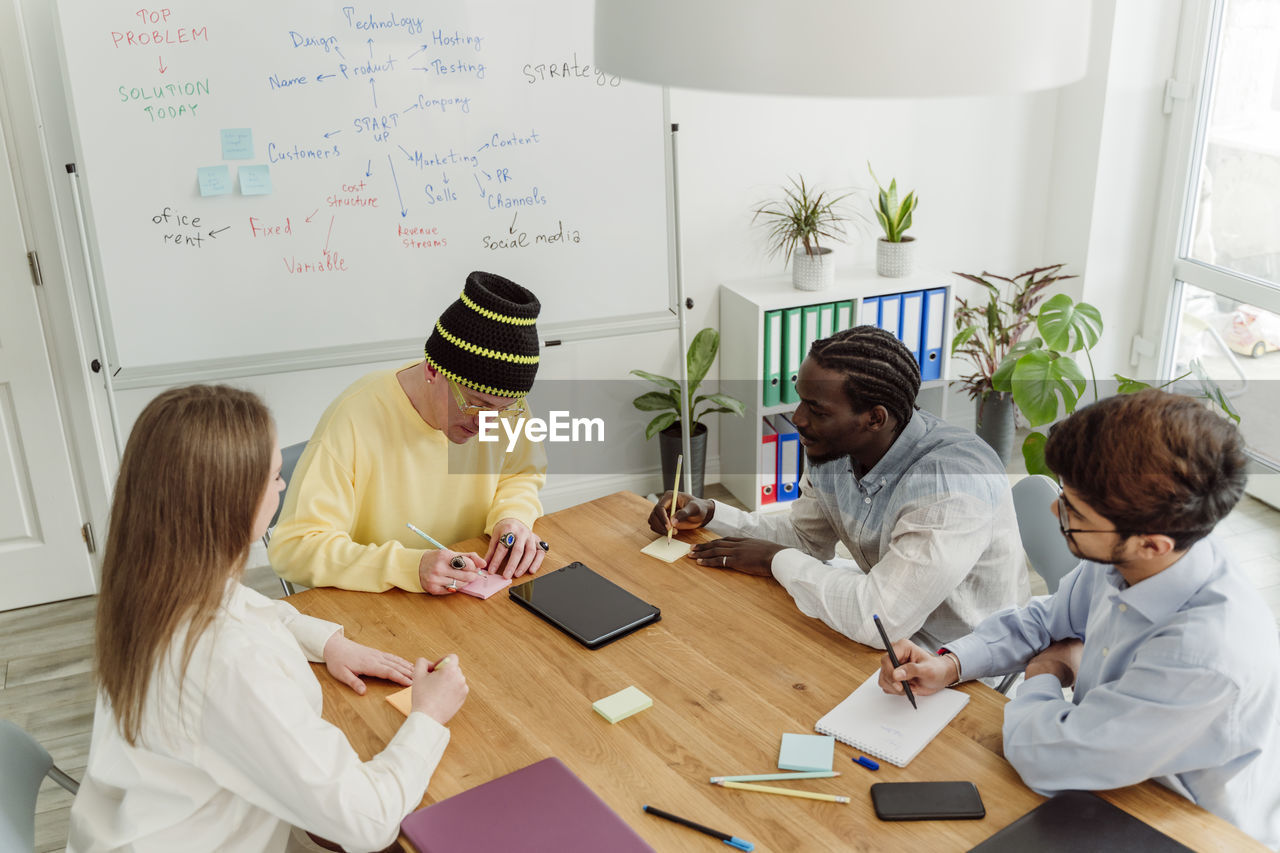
(731, 666)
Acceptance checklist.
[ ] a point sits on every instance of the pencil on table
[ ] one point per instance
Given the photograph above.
(787, 792)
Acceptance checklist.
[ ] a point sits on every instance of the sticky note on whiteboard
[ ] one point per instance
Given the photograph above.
(237, 143)
(214, 180)
(255, 180)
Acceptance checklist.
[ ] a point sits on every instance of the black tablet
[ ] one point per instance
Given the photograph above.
(588, 607)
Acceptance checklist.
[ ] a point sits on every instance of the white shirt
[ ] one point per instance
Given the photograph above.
(243, 752)
(931, 528)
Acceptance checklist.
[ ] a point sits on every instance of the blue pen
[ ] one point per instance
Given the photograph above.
(866, 762)
(736, 843)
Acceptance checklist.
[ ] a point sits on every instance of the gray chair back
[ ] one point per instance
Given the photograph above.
(1042, 538)
(288, 461)
(23, 765)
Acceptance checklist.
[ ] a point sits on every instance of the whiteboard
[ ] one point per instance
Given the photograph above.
(274, 177)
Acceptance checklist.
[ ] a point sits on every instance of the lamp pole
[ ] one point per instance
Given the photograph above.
(686, 430)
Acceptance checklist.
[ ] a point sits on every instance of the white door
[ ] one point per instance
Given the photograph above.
(42, 554)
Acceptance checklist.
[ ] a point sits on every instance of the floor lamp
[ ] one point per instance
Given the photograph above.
(839, 48)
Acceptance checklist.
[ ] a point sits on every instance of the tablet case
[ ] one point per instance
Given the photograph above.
(585, 605)
(1079, 822)
(542, 807)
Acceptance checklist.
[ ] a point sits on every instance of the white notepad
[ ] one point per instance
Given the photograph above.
(886, 726)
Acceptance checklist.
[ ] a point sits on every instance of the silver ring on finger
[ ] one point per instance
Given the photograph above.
(724, 561)
(453, 583)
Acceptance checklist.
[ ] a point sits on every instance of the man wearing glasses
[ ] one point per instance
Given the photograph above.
(1173, 657)
(397, 448)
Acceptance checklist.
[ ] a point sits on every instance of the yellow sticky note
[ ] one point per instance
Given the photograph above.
(622, 704)
(666, 551)
(401, 700)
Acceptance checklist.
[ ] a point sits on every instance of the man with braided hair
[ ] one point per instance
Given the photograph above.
(923, 506)
(397, 447)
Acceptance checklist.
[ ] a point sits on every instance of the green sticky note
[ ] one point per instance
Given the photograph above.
(806, 752)
(622, 704)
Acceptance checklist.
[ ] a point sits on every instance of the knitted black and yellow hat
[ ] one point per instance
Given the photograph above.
(487, 339)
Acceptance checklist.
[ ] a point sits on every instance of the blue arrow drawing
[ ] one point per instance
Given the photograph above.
(374, 91)
(368, 169)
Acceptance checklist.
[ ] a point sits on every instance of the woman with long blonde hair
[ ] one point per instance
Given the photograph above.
(208, 734)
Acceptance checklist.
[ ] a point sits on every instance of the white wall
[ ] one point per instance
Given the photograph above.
(1005, 183)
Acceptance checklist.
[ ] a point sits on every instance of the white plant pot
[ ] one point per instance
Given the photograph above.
(815, 271)
(894, 260)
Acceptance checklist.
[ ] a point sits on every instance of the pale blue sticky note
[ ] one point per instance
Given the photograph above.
(214, 180)
(255, 180)
(806, 752)
(237, 143)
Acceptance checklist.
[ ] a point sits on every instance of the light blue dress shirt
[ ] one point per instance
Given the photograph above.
(1179, 682)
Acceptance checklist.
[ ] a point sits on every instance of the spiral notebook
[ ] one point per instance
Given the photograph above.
(886, 726)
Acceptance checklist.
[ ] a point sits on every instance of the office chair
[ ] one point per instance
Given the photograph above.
(1042, 538)
(23, 765)
(288, 461)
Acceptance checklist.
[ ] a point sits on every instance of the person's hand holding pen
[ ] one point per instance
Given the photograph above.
(925, 672)
(443, 572)
(690, 514)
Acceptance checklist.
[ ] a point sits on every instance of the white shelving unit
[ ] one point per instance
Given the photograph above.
(743, 305)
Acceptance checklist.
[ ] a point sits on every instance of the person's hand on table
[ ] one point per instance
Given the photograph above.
(925, 672)
(521, 556)
(749, 556)
(347, 660)
(1061, 660)
(439, 576)
(440, 689)
(691, 513)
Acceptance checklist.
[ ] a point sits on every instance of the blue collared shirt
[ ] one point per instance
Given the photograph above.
(1179, 682)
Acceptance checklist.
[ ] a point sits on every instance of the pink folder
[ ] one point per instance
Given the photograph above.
(542, 807)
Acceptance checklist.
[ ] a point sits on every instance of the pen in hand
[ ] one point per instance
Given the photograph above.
(893, 659)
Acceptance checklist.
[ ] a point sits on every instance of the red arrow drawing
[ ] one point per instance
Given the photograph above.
(313, 213)
(163, 67)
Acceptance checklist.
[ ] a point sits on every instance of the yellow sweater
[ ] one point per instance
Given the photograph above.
(374, 464)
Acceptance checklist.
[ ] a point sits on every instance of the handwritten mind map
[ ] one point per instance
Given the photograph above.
(348, 54)
(363, 154)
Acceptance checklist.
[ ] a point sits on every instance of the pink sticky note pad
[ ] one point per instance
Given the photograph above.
(486, 585)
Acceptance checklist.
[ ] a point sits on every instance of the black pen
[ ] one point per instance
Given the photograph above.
(893, 659)
(723, 836)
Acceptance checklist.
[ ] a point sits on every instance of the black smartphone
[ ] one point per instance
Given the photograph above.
(927, 801)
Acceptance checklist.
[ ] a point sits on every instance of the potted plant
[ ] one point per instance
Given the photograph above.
(702, 352)
(985, 335)
(1041, 371)
(894, 251)
(803, 218)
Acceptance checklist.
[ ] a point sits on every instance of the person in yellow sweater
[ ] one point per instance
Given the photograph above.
(398, 447)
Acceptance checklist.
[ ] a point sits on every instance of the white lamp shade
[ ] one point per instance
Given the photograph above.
(856, 48)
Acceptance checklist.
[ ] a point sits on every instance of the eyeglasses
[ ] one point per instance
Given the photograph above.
(1064, 521)
(471, 410)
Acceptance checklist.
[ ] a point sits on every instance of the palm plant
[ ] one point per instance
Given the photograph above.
(801, 217)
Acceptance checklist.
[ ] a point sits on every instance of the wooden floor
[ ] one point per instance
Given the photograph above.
(47, 688)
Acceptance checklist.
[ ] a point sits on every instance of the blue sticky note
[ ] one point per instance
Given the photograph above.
(806, 752)
(255, 180)
(237, 143)
(214, 180)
